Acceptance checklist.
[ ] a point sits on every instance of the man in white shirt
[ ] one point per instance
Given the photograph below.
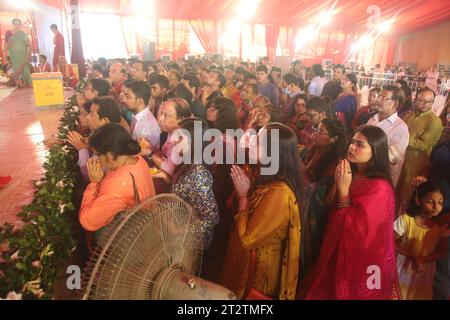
(316, 85)
(387, 102)
(143, 124)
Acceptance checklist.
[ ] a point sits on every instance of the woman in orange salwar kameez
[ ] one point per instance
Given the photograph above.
(127, 181)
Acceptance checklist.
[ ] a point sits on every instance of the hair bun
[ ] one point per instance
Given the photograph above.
(133, 147)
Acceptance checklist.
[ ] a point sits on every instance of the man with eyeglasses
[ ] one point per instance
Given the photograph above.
(387, 103)
(139, 70)
(316, 110)
(425, 128)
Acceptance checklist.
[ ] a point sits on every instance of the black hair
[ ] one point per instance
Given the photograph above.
(289, 78)
(276, 69)
(174, 66)
(102, 61)
(160, 79)
(182, 108)
(180, 91)
(108, 108)
(192, 80)
(301, 84)
(221, 78)
(397, 94)
(289, 160)
(377, 89)
(339, 66)
(102, 86)
(302, 96)
(402, 82)
(378, 165)
(226, 114)
(331, 112)
(335, 151)
(275, 113)
(318, 104)
(87, 105)
(113, 138)
(98, 67)
(144, 64)
(249, 75)
(141, 89)
(262, 68)
(353, 80)
(54, 26)
(318, 70)
(406, 92)
(420, 192)
(189, 125)
(239, 70)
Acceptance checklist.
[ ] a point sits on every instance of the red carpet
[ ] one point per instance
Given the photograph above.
(21, 151)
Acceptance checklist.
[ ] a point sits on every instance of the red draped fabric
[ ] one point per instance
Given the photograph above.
(77, 47)
(272, 40)
(350, 16)
(287, 41)
(173, 38)
(357, 259)
(206, 32)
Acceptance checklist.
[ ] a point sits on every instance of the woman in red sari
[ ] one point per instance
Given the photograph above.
(357, 259)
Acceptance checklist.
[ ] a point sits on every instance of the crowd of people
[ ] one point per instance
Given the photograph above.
(357, 209)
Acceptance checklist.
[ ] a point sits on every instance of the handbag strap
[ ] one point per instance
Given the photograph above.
(136, 193)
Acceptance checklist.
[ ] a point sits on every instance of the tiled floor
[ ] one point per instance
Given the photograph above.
(22, 130)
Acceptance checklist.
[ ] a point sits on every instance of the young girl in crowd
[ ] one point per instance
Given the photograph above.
(420, 243)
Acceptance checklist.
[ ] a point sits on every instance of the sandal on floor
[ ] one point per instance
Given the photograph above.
(5, 180)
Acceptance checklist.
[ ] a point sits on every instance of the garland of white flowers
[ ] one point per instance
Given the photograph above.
(32, 255)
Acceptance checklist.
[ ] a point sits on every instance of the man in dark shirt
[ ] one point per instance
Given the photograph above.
(333, 87)
(265, 87)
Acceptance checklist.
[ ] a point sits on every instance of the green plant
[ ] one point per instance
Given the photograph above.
(32, 255)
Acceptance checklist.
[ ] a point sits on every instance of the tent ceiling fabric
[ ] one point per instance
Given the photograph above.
(350, 15)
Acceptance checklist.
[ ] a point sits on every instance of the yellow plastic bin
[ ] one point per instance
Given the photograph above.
(48, 90)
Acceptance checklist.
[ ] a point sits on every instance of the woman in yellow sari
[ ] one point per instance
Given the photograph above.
(19, 51)
(264, 247)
